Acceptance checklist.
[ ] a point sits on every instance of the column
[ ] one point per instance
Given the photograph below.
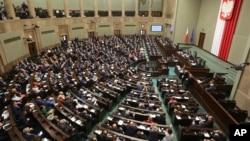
(96, 8)
(164, 8)
(9, 9)
(49, 8)
(123, 8)
(31, 8)
(66, 7)
(81, 8)
(150, 8)
(136, 8)
(109, 8)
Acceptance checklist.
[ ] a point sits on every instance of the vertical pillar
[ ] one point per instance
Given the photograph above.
(150, 8)
(164, 8)
(81, 8)
(109, 8)
(123, 8)
(9, 9)
(49, 8)
(66, 7)
(96, 8)
(136, 8)
(31, 8)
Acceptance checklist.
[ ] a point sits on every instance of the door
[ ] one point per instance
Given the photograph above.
(64, 39)
(32, 48)
(142, 32)
(91, 34)
(117, 32)
(201, 40)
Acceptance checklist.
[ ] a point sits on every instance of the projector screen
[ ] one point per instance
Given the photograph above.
(156, 28)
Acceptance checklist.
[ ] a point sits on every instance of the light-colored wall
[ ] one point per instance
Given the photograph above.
(241, 35)
(57, 4)
(143, 6)
(78, 30)
(130, 28)
(116, 5)
(130, 5)
(157, 5)
(239, 53)
(74, 5)
(207, 21)
(40, 3)
(102, 5)
(186, 17)
(49, 36)
(89, 5)
(104, 29)
(12, 50)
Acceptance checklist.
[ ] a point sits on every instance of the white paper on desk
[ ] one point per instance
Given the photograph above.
(181, 91)
(98, 132)
(183, 106)
(185, 97)
(141, 127)
(79, 122)
(86, 91)
(189, 117)
(129, 99)
(92, 110)
(5, 114)
(206, 135)
(88, 95)
(177, 97)
(134, 100)
(152, 115)
(73, 119)
(85, 106)
(121, 108)
(178, 117)
(110, 118)
(197, 118)
(120, 122)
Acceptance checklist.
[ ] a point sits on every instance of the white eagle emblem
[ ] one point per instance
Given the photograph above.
(227, 7)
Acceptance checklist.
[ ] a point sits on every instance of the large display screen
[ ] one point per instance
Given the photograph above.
(156, 28)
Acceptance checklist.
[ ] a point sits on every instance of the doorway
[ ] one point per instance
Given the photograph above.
(91, 34)
(143, 32)
(117, 32)
(32, 49)
(201, 40)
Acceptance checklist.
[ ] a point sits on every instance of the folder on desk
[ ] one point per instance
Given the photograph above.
(183, 106)
(121, 108)
(85, 106)
(206, 135)
(134, 100)
(178, 117)
(92, 110)
(120, 122)
(98, 132)
(110, 118)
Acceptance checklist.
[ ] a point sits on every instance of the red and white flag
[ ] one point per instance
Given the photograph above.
(186, 36)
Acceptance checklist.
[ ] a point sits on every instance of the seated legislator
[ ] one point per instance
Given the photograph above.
(153, 134)
(130, 129)
(141, 135)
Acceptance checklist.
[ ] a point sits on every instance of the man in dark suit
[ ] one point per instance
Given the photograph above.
(130, 129)
(104, 136)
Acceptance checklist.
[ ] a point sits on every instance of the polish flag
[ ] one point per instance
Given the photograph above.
(186, 36)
